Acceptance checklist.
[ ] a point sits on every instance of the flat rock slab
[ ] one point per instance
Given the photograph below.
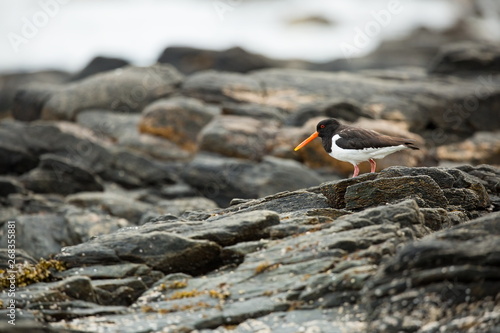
(162, 251)
(431, 187)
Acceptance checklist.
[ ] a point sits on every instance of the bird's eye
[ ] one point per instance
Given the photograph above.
(321, 126)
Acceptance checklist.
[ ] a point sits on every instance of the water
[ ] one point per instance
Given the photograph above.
(66, 34)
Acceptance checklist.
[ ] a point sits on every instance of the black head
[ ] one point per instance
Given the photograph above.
(326, 128)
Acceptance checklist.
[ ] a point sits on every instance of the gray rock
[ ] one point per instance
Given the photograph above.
(455, 268)
(257, 111)
(162, 251)
(85, 224)
(111, 203)
(223, 179)
(466, 57)
(224, 230)
(128, 89)
(68, 140)
(135, 170)
(212, 86)
(122, 291)
(178, 119)
(189, 60)
(56, 174)
(40, 235)
(236, 136)
(381, 191)
(9, 185)
(15, 156)
(178, 207)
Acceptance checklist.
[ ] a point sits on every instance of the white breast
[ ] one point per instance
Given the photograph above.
(356, 156)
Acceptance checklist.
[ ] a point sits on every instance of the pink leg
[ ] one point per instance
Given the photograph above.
(373, 164)
(356, 171)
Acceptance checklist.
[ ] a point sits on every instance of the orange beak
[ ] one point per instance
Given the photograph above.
(306, 141)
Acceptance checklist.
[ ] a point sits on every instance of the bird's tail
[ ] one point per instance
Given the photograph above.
(411, 144)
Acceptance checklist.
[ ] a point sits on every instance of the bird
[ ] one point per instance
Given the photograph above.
(355, 145)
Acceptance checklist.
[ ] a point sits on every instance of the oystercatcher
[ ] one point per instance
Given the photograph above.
(356, 145)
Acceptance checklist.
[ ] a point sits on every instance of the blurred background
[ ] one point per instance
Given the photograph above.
(67, 34)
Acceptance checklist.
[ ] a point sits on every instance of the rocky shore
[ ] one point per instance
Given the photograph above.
(164, 200)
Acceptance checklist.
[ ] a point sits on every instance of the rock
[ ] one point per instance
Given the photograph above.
(10, 84)
(104, 123)
(344, 109)
(29, 100)
(216, 87)
(256, 111)
(275, 175)
(137, 170)
(466, 57)
(225, 230)
(380, 191)
(32, 203)
(315, 156)
(22, 257)
(10, 185)
(282, 202)
(113, 272)
(482, 148)
(218, 178)
(68, 140)
(122, 291)
(189, 60)
(56, 174)
(161, 251)
(15, 156)
(99, 65)
(335, 191)
(177, 119)
(86, 224)
(222, 179)
(235, 136)
(416, 282)
(127, 89)
(111, 203)
(431, 187)
(40, 235)
(180, 206)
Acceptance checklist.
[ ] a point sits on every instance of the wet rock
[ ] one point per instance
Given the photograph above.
(213, 86)
(189, 60)
(118, 291)
(10, 185)
(482, 148)
(104, 123)
(99, 65)
(56, 174)
(21, 257)
(162, 251)
(178, 207)
(380, 191)
(241, 137)
(40, 235)
(10, 84)
(177, 119)
(218, 178)
(15, 156)
(432, 187)
(344, 109)
(225, 230)
(68, 140)
(86, 224)
(111, 203)
(127, 89)
(136, 170)
(222, 179)
(314, 154)
(147, 275)
(466, 57)
(416, 282)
